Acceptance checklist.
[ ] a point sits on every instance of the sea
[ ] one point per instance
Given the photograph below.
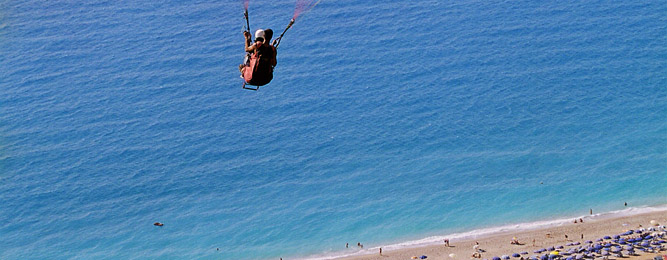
(387, 123)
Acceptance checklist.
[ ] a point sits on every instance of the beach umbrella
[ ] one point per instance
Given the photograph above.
(554, 253)
(534, 257)
(505, 257)
(537, 251)
(598, 240)
(560, 247)
(423, 257)
(588, 241)
(617, 236)
(551, 248)
(516, 255)
(576, 243)
(579, 257)
(524, 253)
(544, 257)
(607, 237)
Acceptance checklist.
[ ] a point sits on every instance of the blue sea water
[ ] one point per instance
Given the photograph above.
(386, 121)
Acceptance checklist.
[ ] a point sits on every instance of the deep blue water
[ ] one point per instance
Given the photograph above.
(386, 121)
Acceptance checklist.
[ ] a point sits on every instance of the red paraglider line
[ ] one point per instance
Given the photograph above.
(303, 6)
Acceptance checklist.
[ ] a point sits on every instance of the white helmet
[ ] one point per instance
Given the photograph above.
(259, 34)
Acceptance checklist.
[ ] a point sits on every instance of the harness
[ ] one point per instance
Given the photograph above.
(259, 70)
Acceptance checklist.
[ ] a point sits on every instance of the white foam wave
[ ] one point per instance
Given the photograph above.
(484, 232)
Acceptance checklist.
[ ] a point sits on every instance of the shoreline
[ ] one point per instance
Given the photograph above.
(495, 240)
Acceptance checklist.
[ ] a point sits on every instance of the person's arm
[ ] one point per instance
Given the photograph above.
(248, 47)
(274, 61)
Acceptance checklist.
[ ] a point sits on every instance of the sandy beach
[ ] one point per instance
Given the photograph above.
(498, 244)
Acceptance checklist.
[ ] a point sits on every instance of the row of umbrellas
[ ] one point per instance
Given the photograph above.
(615, 245)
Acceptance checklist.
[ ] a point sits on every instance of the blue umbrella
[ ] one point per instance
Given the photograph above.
(559, 247)
(607, 237)
(544, 257)
(579, 257)
(538, 251)
(423, 257)
(505, 257)
(617, 236)
(516, 255)
(496, 258)
(551, 248)
(524, 253)
(588, 241)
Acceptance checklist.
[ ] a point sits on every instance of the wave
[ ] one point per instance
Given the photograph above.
(485, 232)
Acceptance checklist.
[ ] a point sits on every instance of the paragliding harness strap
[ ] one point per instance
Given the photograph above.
(247, 58)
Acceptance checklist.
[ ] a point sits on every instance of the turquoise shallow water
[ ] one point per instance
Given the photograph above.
(385, 122)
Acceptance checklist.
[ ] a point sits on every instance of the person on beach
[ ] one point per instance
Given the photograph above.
(533, 242)
(581, 220)
(346, 245)
(591, 211)
(446, 242)
(380, 250)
